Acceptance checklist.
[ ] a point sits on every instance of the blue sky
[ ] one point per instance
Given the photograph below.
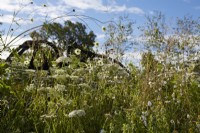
(103, 10)
(31, 15)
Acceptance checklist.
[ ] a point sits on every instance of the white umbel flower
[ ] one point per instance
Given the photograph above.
(62, 59)
(76, 113)
(102, 131)
(149, 103)
(188, 116)
(100, 62)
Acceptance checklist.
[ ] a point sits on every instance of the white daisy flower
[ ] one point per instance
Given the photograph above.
(77, 51)
(96, 44)
(26, 63)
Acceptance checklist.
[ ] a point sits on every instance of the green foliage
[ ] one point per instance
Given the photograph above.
(68, 34)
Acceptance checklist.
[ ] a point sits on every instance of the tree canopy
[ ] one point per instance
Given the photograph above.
(66, 35)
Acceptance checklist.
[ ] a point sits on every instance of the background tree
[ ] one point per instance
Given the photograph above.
(67, 38)
(69, 34)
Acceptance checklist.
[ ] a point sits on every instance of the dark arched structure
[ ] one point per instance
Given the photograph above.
(36, 45)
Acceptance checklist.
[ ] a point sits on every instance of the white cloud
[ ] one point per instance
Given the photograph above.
(135, 10)
(59, 8)
(100, 36)
(15, 5)
(8, 6)
(99, 6)
(11, 19)
(85, 4)
(17, 42)
(133, 57)
(4, 55)
(28, 11)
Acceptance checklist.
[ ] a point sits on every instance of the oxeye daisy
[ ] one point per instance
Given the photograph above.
(96, 44)
(26, 63)
(77, 51)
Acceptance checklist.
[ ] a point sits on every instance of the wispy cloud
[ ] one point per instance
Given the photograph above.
(8, 6)
(11, 19)
(61, 7)
(135, 10)
(99, 6)
(28, 11)
(187, 1)
(15, 5)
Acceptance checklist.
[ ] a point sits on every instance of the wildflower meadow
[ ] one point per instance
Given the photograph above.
(59, 82)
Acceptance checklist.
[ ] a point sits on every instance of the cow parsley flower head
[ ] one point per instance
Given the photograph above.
(59, 71)
(8, 70)
(30, 88)
(30, 70)
(63, 59)
(188, 116)
(77, 51)
(100, 62)
(60, 88)
(149, 103)
(76, 113)
(173, 95)
(102, 131)
(144, 119)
